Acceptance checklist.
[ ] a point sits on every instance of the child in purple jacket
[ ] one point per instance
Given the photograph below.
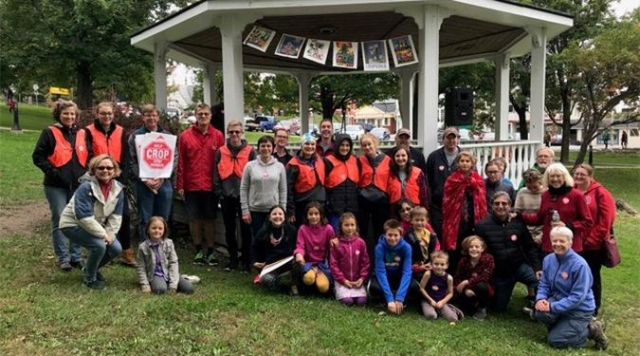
(349, 262)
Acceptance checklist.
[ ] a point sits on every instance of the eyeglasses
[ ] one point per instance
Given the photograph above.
(500, 203)
(105, 168)
(203, 114)
(580, 175)
(280, 136)
(106, 113)
(234, 132)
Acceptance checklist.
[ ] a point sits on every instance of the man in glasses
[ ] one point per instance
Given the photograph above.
(106, 137)
(514, 252)
(230, 161)
(282, 140)
(197, 149)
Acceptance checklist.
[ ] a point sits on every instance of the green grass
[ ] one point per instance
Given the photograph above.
(610, 159)
(31, 117)
(47, 312)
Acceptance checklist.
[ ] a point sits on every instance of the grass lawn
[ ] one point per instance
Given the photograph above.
(31, 117)
(46, 312)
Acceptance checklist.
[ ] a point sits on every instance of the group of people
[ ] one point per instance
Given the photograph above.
(438, 233)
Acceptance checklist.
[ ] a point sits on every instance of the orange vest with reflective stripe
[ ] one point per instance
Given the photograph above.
(229, 164)
(378, 178)
(307, 176)
(411, 189)
(342, 171)
(102, 144)
(62, 152)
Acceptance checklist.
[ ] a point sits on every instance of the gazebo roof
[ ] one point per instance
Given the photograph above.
(473, 31)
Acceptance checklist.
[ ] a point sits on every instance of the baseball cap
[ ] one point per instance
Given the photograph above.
(403, 131)
(450, 130)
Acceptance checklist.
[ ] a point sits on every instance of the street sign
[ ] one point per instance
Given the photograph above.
(35, 87)
(157, 154)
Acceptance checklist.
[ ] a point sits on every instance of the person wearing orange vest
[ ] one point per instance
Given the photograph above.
(62, 153)
(230, 162)
(197, 149)
(405, 180)
(305, 180)
(342, 171)
(106, 137)
(373, 198)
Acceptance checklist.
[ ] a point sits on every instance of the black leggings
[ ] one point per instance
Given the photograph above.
(594, 260)
(481, 299)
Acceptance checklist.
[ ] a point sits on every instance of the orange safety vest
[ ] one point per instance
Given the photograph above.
(411, 189)
(230, 164)
(342, 171)
(102, 144)
(63, 152)
(307, 176)
(377, 177)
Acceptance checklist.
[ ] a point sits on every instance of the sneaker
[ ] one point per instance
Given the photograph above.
(100, 277)
(191, 278)
(77, 264)
(199, 259)
(231, 266)
(294, 291)
(65, 266)
(212, 260)
(246, 268)
(95, 285)
(529, 312)
(596, 333)
(480, 314)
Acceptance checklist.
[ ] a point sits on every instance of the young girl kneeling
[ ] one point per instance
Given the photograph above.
(157, 261)
(437, 289)
(349, 262)
(312, 249)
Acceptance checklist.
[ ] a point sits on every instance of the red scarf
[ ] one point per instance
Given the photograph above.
(105, 188)
(453, 204)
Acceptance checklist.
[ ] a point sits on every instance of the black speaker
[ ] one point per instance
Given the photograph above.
(458, 107)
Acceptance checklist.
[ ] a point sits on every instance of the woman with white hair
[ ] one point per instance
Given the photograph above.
(561, 205)
(565, 302)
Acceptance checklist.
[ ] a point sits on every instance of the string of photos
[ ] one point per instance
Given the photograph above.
(345, 53)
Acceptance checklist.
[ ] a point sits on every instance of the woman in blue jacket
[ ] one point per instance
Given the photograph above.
(565, 302)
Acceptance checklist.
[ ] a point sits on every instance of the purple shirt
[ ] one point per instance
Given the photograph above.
(158, 268)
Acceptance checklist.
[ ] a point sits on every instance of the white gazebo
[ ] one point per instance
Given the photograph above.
(210, 34)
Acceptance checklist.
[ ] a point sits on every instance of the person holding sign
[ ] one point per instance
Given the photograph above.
(152, 158)
(197, 149)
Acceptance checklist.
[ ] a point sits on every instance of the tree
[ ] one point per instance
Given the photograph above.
(608, 70)
(85, 42)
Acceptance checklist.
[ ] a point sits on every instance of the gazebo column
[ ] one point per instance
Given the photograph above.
(210, 90)
(304, 79)
(160, 74)
(501, 125)
(232, 67)
(406, 76)
(429, 43)
(538, 68)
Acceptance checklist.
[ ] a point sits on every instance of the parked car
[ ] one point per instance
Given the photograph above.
(292, 126)
(355, 131)
(255, 123)
(268, 124)
(367, 127)
(381, 133)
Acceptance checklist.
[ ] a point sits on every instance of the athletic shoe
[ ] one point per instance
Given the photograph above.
(95, 285)
(231, 266)
(77, 264)
(65, 266)
(596, 333)
(529, 312)
(99, 276)
(246, 268)
(199, 259)
(191, 278)
(480, 314)
(212, 260)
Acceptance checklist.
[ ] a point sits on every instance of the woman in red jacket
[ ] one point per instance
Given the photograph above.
(602, 208)
(561, 205)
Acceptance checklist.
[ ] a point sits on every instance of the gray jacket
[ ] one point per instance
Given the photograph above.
(263, 186)
(146, 263)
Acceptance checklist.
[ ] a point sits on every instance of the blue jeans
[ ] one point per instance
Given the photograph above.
(151, 204)
(569, 329)
(504, 286)
(58, 199)
(99, 253)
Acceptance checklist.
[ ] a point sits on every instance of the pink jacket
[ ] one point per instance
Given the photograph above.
(313, 242)
(349, 260)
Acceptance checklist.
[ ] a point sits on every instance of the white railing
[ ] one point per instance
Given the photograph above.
(520, 156)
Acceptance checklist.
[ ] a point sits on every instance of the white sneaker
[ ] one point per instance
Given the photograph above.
(192, 279)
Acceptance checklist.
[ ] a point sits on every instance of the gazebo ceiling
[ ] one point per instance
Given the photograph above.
(460, 37)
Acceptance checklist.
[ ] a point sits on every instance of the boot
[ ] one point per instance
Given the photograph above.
(127, 258)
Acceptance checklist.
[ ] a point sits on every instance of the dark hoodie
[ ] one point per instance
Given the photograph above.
(393, 263)
(343, 197)
(272, 244)
(229, 187)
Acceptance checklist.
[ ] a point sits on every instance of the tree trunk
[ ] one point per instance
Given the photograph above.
(84, 94)
(584, 146)
(566, 129)
(522, 118)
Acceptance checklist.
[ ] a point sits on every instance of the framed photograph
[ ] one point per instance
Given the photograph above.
(403, 51)
(317, 51)
(289, 46)
(345, 54)
(374, 56)
(259, 38)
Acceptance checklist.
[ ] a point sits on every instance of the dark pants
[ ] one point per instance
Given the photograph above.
(435, 217)
(230, 213)
(257, 221)
(594, 260)
(504, 286)
(376, 292)
(375, 214)
(124, 234)
(569, 329)
(153, 204)
(470, 305)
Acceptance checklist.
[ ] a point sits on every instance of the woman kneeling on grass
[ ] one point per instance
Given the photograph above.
(157, 261)
(93, 217)
(565, 302)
